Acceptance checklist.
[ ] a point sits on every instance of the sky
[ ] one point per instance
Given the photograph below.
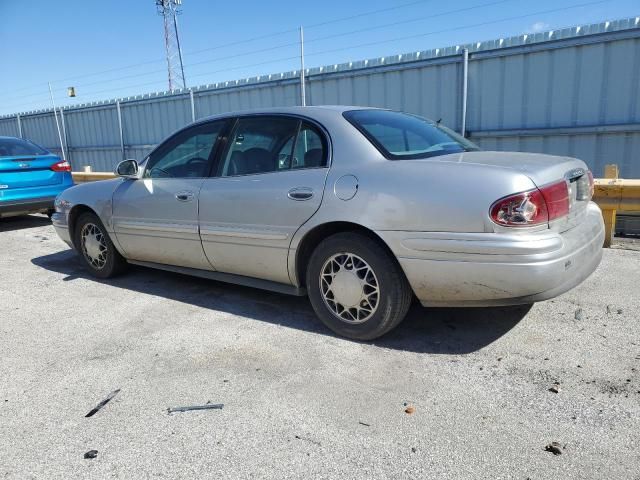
(113, 49)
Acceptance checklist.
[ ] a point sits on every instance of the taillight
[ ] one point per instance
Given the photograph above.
(61, 167)
(533, 207)
(557, 197)
(520, 210)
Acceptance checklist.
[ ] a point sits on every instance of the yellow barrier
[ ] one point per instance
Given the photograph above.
(611, 194)
(83, 177)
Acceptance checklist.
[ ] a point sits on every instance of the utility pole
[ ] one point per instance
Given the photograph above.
(170, 9)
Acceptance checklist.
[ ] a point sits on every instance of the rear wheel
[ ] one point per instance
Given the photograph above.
(96, 249)
(356, 288)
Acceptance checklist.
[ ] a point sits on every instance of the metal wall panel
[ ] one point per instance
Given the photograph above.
(99, 159)
(149, 121)
(91, 137)
(277, 94)
(579, 85)
(42, 130)
(9, 127)
(573, 92)
(429, 90)
(596, 150)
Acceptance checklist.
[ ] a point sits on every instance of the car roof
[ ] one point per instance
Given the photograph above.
(310, 111)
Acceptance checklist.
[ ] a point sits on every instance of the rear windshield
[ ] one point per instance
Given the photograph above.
(401, 136)
(13, 147)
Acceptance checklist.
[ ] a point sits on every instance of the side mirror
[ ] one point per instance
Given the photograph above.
(127, 169)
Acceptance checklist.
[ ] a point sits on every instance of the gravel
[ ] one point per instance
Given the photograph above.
(298, 401)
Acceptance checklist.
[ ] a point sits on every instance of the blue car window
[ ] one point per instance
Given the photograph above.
(13, 147)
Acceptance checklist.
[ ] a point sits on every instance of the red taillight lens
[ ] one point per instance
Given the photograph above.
(556, 195)
(520, 210)
(533, 207)
(61, 167)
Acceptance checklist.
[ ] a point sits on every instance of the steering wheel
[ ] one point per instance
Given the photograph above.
(158, 169)
(196, 165)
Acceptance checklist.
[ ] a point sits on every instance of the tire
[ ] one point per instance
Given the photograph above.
(99, 256)
(334, 263)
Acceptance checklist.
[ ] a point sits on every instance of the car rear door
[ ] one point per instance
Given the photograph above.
(269, 181)
(155, 217)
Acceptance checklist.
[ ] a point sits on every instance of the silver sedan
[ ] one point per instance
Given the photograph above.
(361, 209)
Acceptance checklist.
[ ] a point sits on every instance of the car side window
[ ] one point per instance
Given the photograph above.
(265, 144)
(185, 155)
(311, 148)
(259, 145)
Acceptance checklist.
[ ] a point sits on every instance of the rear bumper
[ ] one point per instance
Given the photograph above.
(446, 269)
(23, 207)
(25, 200)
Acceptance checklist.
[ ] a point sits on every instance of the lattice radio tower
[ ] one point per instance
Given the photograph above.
(170, 9)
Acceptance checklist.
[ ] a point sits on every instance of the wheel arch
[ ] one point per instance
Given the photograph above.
(317, 234)
(72, 219)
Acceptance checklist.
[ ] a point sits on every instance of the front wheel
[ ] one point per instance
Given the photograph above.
(356, 287)
(96, 249)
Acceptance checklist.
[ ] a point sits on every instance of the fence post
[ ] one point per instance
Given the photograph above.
(609, 216)
(303, 96)
(119, 112)
(465, 86)
(19, 126)
(193, 106)
(64, 134)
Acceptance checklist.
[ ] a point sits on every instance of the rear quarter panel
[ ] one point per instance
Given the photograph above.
(411, 195)
(408, 195)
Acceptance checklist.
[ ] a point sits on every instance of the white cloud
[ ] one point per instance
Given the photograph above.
(539, 27)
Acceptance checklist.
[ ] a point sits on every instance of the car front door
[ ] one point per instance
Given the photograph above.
(268, 182)
(155, 217)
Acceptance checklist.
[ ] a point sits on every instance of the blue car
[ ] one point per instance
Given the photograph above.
(30, 177)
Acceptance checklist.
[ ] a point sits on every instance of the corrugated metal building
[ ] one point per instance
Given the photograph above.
(572, 92)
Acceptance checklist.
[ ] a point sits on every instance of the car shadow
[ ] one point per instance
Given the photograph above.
(9, 224)
(425, 330)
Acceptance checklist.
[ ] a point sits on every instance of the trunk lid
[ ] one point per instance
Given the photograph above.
(24, 171)
(542, 170)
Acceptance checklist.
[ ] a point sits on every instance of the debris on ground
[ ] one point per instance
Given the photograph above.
(102, 403)
(555, 388)
(414, 449)
(554, 447)
(410, 409)
(208, 406)
(91, 454)
(315, 442)
(365, 424)
(578, 314)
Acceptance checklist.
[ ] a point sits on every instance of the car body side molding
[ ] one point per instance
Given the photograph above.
(228, 278)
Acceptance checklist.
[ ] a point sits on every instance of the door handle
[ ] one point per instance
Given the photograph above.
(184, 196)
(300, 193)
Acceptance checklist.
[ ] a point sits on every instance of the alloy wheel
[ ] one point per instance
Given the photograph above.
(349, 288)
(94, 245)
